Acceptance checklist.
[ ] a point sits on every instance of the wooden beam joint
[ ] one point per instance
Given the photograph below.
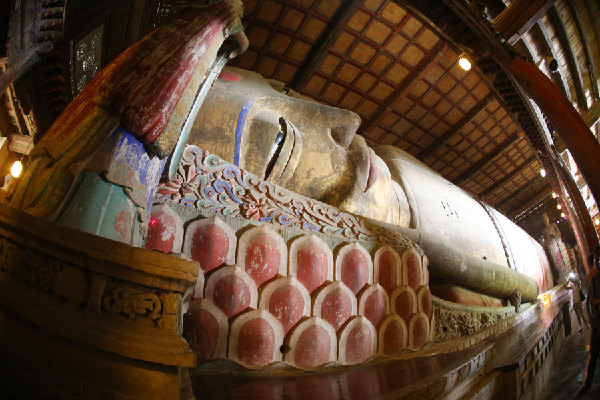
(330, 34)
(454, 129)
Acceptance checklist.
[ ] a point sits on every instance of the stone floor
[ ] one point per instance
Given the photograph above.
(569, 372)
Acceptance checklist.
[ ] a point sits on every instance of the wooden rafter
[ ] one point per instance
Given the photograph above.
(489, 157)
(535, 199)
(562, 76)
(592, 8)
(415, 76)
(520, 191)
(587, 48)
(476, 109)
(519, 16)
(565, 44)
(592, 115)
(325, 41)
(508, 177)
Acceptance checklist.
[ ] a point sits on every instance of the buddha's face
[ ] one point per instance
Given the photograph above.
(301, 145)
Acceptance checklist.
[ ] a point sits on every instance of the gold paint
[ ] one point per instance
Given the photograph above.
(321, 157)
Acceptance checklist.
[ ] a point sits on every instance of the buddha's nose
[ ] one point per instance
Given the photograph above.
(344, 127)
(342, 124)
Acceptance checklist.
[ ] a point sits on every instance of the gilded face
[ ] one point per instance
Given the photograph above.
(296, 143)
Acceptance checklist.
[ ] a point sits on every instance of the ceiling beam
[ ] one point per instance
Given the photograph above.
(520, 191)
(325, 41)
(454, 129)
(486, 159)
(508, 177)
(593, 8)
(409, 81)
(562, 76)
(587, 48)
(592, 115)
(567, 48)
(519, 16)
(535, 199)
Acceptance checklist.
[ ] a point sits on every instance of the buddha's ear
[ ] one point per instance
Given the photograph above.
(257, 140)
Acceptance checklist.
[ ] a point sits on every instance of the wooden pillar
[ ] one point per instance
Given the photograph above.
(569, 125)
(578, 216)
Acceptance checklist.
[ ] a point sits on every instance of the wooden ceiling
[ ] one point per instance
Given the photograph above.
(400, 74)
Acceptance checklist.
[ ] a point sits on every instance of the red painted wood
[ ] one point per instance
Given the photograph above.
(393, 338)
(419, 332)
(231, 295)
(426, 303)
(262, 258)
(122, 224)
(405, 305)
(336, 308)
(312, 348)
(201, 330)
(355, 270)
(413, 269)
(388, 271)
(161, 232)
(148, 78)
(375, 307)
(256, 342)
(210, 245)
(312, 267)
(359, 344)
(287, 304)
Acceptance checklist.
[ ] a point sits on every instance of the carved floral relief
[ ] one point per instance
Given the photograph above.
(206, 182)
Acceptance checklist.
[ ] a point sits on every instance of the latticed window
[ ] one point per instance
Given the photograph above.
(86, 59)
(163, 12)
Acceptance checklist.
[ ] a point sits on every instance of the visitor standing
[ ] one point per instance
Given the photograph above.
(578, 298)
(593, 285)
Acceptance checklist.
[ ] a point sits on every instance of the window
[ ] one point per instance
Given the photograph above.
(86, 59)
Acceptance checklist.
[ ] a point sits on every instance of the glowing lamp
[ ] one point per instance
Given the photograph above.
(554, 195)
(597, 221)
(16, 169)
(558, 206)
(562, 215)
(545, 299)
(543, 172)
(464, 63)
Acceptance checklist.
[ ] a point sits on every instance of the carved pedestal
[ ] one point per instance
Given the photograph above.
(83, 315)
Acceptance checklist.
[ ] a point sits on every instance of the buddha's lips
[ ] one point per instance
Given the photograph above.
(373, 171)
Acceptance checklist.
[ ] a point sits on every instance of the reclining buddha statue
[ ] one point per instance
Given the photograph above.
(313, 149)
(98, 166)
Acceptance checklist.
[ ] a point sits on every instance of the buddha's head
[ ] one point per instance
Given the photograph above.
(296, 143)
